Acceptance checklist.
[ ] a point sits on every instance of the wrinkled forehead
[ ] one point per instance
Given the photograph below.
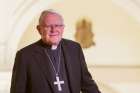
(50, 17)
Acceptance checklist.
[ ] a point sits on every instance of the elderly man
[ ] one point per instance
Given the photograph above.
(52, 64)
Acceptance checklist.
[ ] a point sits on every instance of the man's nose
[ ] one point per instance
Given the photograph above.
(53, 28)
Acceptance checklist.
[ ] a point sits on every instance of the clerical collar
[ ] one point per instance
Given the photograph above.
(51, 47)
(54, 47)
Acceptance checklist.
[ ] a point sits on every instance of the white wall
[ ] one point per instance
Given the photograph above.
(116, 30)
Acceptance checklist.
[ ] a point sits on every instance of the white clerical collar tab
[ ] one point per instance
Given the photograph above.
(54, 47)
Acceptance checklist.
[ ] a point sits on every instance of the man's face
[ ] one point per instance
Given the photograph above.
(51, 29)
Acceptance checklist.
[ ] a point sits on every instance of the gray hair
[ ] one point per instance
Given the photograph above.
(46, 12)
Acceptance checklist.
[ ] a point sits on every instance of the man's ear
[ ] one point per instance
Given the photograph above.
(39, 29)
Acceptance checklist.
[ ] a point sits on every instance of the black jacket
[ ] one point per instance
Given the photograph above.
(32, 74)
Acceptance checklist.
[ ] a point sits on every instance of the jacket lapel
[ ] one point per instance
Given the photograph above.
(69, 68)
(45, 66)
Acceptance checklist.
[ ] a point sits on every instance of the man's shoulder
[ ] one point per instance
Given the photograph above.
(37, 45)
(29, 48)
(70, 43)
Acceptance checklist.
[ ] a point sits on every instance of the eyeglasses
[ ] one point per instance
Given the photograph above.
(56, 26)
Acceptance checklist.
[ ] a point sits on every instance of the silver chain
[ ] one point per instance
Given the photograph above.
(58, 68)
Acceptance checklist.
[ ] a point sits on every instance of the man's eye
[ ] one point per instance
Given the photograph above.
(48, 26)
(53, 26)
(58, 25)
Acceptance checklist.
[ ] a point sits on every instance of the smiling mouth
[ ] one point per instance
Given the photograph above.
(53, 34)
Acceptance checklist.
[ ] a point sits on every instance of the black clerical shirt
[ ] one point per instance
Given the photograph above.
(54, 55)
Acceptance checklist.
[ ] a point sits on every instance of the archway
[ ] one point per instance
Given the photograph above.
(19, 24)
